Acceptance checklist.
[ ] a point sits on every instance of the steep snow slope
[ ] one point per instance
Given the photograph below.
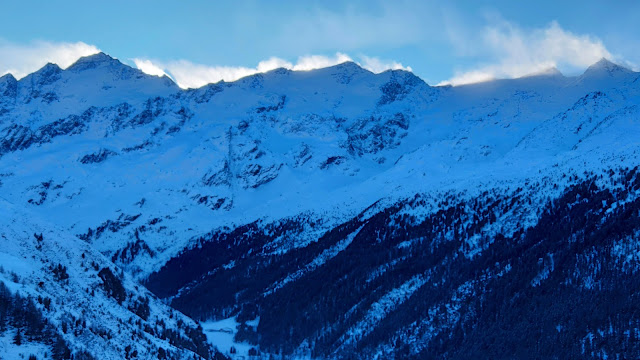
(86, 301)
(114, 143)
(196, 160)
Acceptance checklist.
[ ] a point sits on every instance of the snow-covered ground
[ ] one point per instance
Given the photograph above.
(221, 335)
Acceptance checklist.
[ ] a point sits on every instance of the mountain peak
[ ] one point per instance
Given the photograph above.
(93, 61)
(280, 71)
(49, 67)
(603, 63)
(7, 78)
(552, 71)
(344, 72)
(8, 84)
(605, 66)
(348, 67)
(45, 75)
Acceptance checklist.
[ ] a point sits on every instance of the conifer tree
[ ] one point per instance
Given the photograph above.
(17, 339)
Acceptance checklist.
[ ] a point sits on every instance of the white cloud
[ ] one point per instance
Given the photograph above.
(517, 53)
(191, 75)
(23, 59)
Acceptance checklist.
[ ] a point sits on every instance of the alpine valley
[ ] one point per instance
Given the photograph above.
(324, 214)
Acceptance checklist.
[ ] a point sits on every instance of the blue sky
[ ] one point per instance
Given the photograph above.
(441, 41)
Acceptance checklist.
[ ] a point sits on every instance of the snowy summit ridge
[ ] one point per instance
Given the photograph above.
(238, 200)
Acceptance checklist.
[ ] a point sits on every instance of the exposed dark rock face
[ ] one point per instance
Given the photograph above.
(400, 84)
(372, 135)
(97, 157)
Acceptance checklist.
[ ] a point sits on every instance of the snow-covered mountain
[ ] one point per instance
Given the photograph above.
(61, 299)
(384, 216)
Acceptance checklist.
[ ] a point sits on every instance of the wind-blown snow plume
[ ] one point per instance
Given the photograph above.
(148, 67)
(518, 52)
(22, 59)
(318, 61)
(377, 65)
(190, 75)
